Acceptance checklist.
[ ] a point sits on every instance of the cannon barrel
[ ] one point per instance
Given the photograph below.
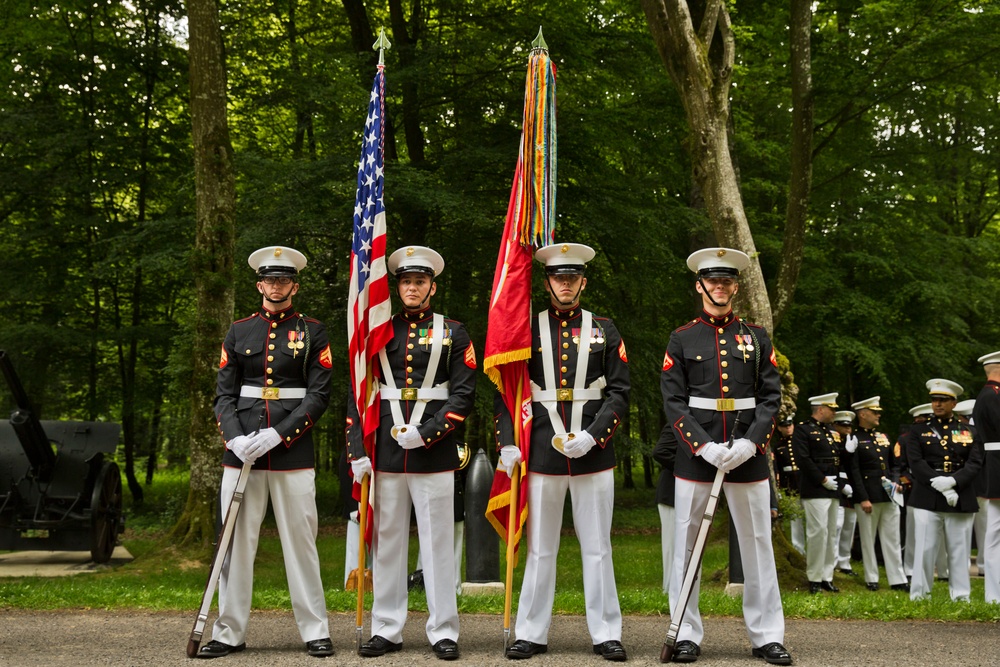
(28, 428)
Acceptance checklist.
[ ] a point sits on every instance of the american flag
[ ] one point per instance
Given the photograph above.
(368, 307)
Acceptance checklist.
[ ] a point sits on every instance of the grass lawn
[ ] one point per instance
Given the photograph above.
(165, 578)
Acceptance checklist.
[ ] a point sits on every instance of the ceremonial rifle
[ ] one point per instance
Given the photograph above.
(694, 558)
(221, 549)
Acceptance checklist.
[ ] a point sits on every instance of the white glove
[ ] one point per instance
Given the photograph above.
(578, 445)
(510, 456)
(852, 444)
(713, 453)
(830, 483)
(741, 452)
(943, 483)
(951, 495)
(262, 443)
(238, 446)
(361, 467)
(848, 490)
(409, 438)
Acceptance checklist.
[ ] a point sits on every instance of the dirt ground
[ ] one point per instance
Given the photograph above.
(84, 638)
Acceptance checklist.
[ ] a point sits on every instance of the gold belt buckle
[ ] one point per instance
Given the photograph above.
(408, 394)
(836, 461)
(947, 466)
(564, 394)
(269, 393)
(725, 404)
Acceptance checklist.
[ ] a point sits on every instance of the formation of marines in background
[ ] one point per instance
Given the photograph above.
(721, 396)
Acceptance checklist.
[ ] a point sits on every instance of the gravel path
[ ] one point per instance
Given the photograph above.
(83, 638)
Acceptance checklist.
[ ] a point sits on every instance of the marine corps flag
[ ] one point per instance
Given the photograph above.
(530, 224)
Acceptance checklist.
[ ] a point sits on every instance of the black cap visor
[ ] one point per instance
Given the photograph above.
(276, 271)
(416, 268)
(719, 272)
(565, 270)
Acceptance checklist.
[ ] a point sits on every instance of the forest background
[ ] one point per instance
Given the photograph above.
(899, 243)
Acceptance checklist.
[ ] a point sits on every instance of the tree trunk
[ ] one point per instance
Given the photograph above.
(700, 63)
(212, 263)
(800, 178)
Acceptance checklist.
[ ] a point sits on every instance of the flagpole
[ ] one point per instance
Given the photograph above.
(363, 522)
(513, 521)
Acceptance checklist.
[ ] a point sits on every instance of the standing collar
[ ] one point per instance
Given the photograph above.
(722, 321)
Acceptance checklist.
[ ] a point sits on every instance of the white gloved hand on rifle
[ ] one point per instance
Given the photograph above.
(510, 456)
(713, 453)
(238, 446)
(741, 452)
(262, 443)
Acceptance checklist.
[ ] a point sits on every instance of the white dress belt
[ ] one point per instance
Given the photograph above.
(991, 446)
(272, 393)
(438, 393)
(722, 404)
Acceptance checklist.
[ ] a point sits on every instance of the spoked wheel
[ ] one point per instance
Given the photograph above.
(105, 513)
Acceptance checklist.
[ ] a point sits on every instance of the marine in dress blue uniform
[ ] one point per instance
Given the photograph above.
(719, 383)
(847, 520)
(874, 475)
(272, 387)
(580, 386)
(986, 416)
(786, 472)
(944, 460)
(817, 448)
(427, 374)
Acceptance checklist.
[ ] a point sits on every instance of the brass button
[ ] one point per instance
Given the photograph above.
(413, 335)
(297, 431)
(409, 357)
(409, 380)
(725, 376)
(274, 325)
(413, 325)
(270, 370)
(565, 357)
(562, 369)
(721, 330)
(722, 341)
(723, 352)
(688, 435)
(270, 381)
(563, 382)
(698, 357)
(565, 345)
(725, 363)
(271, 346)
(273, 335)
(248, 350)
(409, 346)
(725, 389)
(409, 369)
(565, 324)
(565, 334)
(270, 357)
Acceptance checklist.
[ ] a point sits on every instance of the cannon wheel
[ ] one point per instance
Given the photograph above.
(105, 512)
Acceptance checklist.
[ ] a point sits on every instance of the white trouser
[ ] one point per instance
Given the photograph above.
(750, 508)
(846, 521)
(992, 547)
(667, 534)
(798, 529)
(821, 537)
(942, 555)
(979, 528)
(592, 498)
(459, 541)
(431, 497)
(293, 499)
(954, 529)
(884, 520)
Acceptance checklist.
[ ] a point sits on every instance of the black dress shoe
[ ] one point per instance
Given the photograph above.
(522, 649)
(900, 587)
(773, 653)
(828, 586)
(872, 585)
(685, 651)
(214, 649)
(377, 646)
(320, 648)
(611, 650)
(815, 587)
(446, 649)
(848, 571)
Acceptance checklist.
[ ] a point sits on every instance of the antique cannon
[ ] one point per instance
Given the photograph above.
(63, 498)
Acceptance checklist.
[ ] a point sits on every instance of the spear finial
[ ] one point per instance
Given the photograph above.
(539, 42)
(382, 43)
